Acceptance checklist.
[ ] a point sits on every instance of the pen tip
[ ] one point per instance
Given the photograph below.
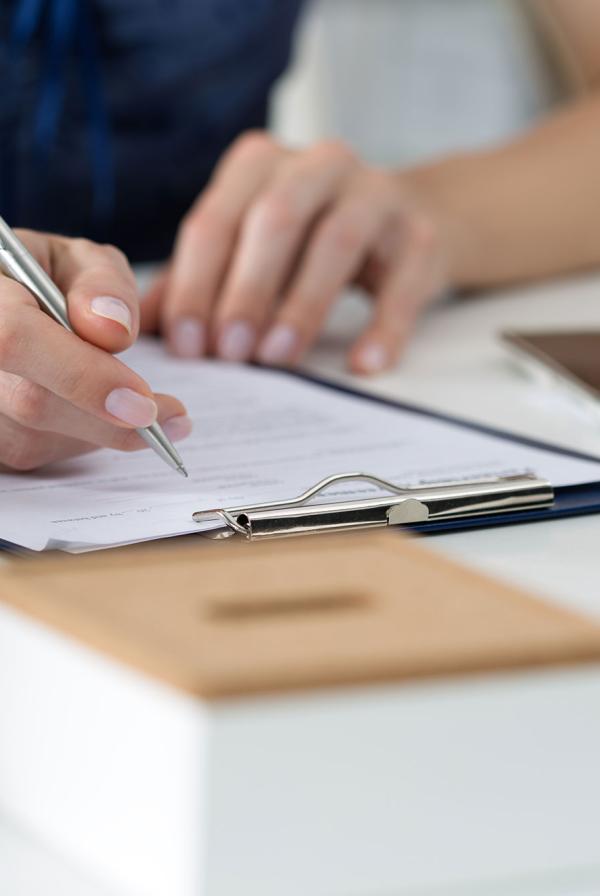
(183, 471)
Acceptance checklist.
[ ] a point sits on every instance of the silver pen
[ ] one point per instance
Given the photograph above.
(17, 263)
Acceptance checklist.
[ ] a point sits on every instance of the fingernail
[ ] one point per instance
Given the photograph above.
(236, 341)
(131, 407)
(113, 309)
(188, 337)
(177, 428)
(373, 358)
(278, 344)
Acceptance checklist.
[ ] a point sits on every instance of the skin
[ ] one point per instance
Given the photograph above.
(49, 408)
(277, 236)
(275, 239)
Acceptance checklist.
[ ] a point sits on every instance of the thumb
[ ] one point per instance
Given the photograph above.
(409, 286)
(101, 292)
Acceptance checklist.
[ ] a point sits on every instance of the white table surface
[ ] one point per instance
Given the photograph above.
(454, 364)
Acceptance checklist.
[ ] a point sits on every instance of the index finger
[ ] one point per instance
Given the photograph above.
(34, 347)
(207, 239)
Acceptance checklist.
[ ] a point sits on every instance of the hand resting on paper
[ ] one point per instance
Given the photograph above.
(274, 240)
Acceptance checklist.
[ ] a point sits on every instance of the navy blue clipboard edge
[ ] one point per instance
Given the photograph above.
(574, 500)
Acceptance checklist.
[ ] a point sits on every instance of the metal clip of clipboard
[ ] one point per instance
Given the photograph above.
(405, 506)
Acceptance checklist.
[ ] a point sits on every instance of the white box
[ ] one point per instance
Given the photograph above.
(401, 788)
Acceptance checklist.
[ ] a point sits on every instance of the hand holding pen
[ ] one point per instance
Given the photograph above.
(63, 393)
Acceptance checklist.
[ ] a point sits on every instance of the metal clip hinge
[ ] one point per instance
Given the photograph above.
(407, 506)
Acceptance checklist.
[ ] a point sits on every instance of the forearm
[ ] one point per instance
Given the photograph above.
(526, 210)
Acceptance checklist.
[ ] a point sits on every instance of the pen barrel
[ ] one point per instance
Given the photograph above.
(19, 265)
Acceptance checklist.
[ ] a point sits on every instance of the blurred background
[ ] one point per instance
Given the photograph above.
(405, 80)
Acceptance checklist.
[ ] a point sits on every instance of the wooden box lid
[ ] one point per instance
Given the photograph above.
(230, 619)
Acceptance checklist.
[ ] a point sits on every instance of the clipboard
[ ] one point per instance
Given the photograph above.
(428, 509)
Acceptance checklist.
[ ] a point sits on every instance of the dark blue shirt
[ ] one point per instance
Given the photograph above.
(173, 83)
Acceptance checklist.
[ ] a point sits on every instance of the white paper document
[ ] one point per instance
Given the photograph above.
(258, 436)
